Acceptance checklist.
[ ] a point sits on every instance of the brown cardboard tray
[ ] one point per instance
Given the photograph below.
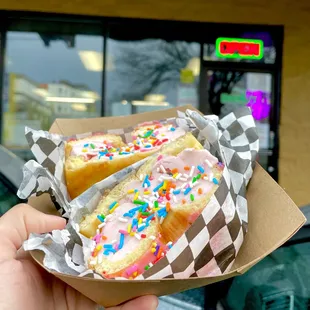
(273, 219)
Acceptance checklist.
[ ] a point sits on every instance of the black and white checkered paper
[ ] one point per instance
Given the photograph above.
(208, 248)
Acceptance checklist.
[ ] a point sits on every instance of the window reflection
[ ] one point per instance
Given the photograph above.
(7, 196)
(151, 74)
(48, 77)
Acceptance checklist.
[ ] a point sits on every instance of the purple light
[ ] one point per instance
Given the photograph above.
(258, 103)
(264, 36)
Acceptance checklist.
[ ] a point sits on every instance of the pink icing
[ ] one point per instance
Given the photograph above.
(88, 153)
(188, 157)
(111, 231)
(145, 260)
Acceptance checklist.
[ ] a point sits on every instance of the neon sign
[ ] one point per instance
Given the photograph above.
(239, 48)
(259, 103)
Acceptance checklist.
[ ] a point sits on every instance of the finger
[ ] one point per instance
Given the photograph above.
(74, 299)
(18, 223)
(22, 254)
(149, 302)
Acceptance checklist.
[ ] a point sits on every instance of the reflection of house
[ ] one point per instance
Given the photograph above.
(24, 102)
(24, 108)
(68, 100)
(37, 105)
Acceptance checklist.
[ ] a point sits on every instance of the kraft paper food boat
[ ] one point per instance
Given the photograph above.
(273, 219)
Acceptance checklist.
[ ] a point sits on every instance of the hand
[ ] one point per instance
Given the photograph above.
(25, 285)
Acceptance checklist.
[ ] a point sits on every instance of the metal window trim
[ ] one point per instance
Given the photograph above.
(2, 72)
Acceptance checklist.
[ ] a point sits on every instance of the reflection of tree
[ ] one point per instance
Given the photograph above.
(47, 39)
(153, 66)
(221, 82)
(150, 64)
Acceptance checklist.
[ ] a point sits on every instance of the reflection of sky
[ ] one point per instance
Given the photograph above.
(118, 85)
(26, 54)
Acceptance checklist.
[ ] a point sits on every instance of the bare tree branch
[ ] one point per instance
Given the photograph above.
(148, 65)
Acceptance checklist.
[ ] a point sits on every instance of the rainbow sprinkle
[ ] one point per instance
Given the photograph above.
(121, 242)
(112, 205)
(100, 218)
(108, 251)
(201, 169)
(187, 190)
(158, 187)
(132, 269)
(215, 181)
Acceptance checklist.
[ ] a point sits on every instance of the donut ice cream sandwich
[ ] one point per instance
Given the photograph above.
(143, 216)
(191, 177)
(92, 159)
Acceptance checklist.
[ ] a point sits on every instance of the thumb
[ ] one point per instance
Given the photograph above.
(18, 223)
(149, 302)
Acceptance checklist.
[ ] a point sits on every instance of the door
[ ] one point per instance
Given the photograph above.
(224, 90)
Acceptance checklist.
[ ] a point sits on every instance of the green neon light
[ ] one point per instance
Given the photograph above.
(239, 48)
(226, 98)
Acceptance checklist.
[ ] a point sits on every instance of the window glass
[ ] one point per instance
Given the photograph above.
(48, 77)
(151, 74)
(8, 197)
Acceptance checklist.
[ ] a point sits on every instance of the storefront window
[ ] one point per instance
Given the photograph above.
(151, 74)
(56, 68)
(48, 77)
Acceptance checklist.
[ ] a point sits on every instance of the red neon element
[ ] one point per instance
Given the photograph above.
(239, 48)
(246, 49)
